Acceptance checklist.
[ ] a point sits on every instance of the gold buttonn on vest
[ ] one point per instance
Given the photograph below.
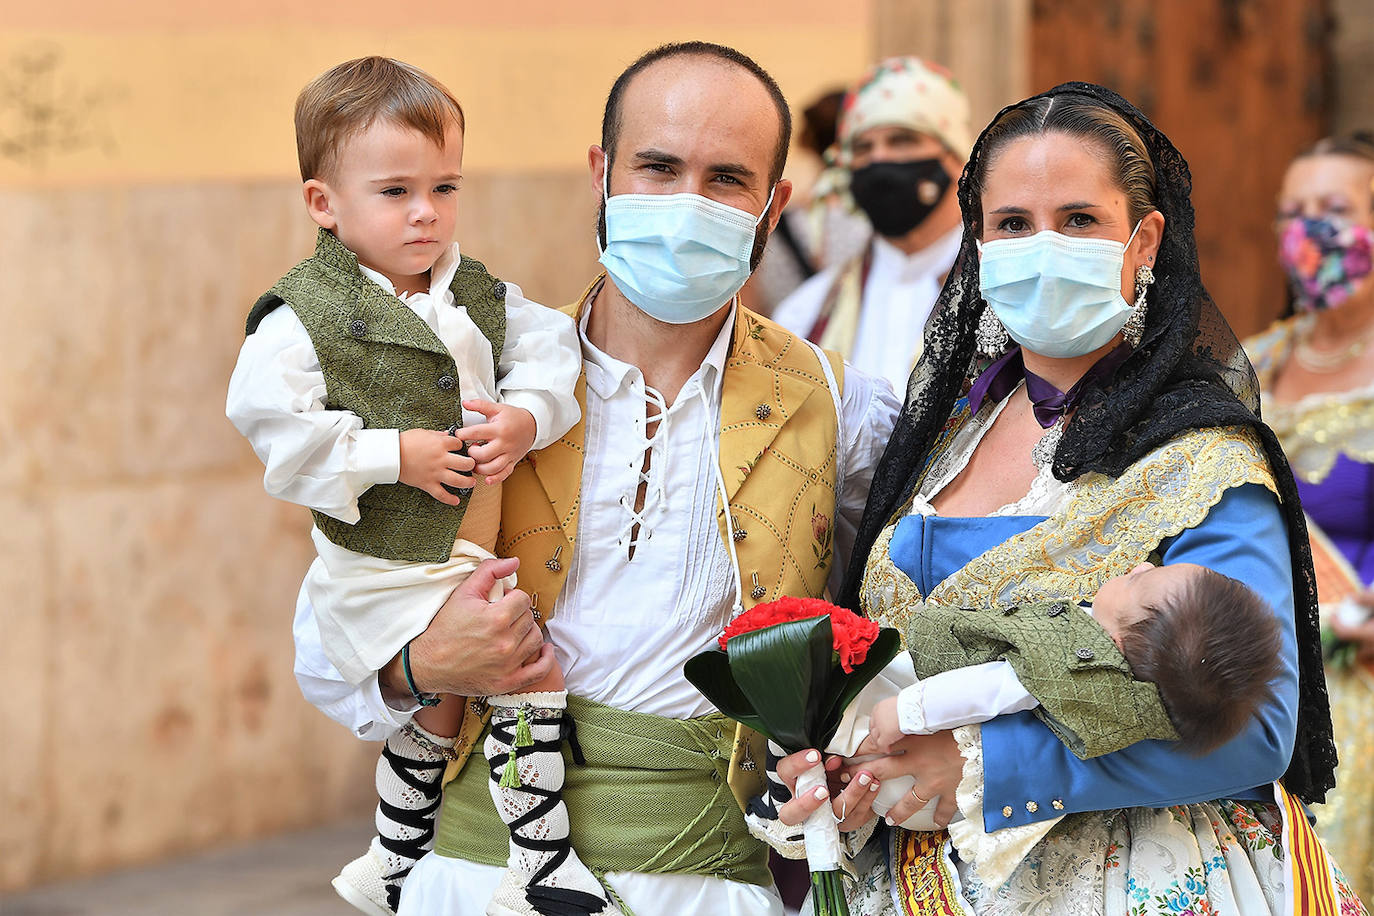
(1057, 804)
(737, 533)
(1006, 811)
(476, 707)
(763, 411)
(552, 564)
(1032, 807)
(534, 607)
(758, 591)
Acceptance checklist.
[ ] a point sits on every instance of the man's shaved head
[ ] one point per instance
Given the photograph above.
(611, 120)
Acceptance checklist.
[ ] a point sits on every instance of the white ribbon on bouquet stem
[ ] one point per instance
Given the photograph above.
(821, 829)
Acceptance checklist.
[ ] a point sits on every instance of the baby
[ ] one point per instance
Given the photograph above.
(391, 384)
(1176, 652)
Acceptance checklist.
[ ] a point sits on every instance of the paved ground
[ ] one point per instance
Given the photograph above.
(282, 876)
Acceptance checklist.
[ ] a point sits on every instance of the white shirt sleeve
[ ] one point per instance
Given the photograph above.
(868, 411)
(315, 457)
(361, 708)
(962, 696)
(539, 366)
(800, 309)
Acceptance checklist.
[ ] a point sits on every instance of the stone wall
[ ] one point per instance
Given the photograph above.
(147, 197)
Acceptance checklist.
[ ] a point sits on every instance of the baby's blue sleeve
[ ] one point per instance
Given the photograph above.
(1030, 775)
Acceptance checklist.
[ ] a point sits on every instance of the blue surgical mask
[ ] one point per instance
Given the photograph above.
(1055, 295)
(678, 257)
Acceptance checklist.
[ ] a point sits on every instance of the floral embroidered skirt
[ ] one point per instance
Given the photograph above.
(1221, 857)
(1346, 821)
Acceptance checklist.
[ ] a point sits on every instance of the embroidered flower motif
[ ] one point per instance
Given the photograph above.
(822, 535)
(748, 466)
(1113, 857)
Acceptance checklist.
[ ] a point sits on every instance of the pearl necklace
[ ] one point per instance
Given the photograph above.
(1325, 363)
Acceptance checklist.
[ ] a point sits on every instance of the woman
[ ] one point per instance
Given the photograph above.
(1316, 371)
(1112, 435)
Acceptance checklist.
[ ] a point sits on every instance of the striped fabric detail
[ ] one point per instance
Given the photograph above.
(926, 881)
(1311, 887)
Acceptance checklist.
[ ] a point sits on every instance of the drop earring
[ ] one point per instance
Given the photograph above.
(1134, 328)
(991, 336)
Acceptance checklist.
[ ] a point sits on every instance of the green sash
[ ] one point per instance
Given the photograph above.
(652, 798)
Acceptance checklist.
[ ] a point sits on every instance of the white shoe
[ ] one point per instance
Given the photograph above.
(360, 883)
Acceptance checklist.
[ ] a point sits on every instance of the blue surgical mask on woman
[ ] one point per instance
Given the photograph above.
(1055, 295)
(678, 257)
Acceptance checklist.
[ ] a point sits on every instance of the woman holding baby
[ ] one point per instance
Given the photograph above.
(1096, 413)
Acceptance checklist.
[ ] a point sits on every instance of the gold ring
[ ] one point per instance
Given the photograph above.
(924, 801)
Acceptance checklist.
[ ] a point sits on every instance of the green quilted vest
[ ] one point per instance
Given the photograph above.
(383, 363)
(1088, 695)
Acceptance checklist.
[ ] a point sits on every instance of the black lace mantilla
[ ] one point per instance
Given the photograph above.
(1189, 372)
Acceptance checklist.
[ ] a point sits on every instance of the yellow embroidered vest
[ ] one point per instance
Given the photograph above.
(778, 453)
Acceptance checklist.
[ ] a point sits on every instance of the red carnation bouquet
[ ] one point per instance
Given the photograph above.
(788, 669)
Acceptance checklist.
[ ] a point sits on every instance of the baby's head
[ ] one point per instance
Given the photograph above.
(1209, 643)
(380, 145)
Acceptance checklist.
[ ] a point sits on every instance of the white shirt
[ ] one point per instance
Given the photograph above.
(325, 459)
(898, 294)
(623, 628)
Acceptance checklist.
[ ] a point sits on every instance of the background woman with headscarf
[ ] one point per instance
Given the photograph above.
(1316, 370)
(1116, 423)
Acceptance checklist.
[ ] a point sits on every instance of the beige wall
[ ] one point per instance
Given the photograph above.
(147, 195)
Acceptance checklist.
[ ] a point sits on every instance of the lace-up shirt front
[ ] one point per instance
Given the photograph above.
(626, 623)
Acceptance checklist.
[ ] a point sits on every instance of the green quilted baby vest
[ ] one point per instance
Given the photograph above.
(383, 363)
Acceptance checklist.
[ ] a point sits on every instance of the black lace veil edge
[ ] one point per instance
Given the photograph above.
(1189, 372)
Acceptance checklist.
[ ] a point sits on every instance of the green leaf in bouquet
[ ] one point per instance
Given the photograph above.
(847, 686)
(785, 672)
(710, 673)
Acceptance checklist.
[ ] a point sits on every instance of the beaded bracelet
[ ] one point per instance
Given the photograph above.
(424, 699)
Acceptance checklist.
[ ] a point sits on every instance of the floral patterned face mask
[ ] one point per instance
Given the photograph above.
(1325, 260)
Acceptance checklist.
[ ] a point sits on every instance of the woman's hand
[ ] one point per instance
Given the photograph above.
(935, 763)
(852, 804)
(1362, 635)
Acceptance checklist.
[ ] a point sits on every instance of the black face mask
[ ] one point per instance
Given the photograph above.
(898, 196)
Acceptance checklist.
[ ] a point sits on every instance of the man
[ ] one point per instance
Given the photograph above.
(720, 462)
(903, 140)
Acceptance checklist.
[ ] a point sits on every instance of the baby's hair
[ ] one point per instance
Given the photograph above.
(1212, 649)
(348, 98)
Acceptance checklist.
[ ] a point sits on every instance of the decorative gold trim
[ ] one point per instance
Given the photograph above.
(1108, 526)
(1319, 428)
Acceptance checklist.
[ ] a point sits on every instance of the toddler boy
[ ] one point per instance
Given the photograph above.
(391, 384)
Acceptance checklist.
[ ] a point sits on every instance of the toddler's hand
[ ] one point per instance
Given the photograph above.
(498, 444)
(884, 729)
(430, 459)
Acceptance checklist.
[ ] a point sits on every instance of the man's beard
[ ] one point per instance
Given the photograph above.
(755, 254)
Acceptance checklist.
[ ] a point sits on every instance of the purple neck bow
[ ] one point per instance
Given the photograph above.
(1047, 401)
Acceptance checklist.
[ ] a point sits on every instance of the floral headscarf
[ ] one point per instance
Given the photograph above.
(898, 92)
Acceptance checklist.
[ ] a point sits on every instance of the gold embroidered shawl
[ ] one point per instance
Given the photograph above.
(1107, 526)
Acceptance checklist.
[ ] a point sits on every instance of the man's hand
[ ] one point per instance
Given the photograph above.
(430, 459)
(476, 647)
(884, 730)
(498, 444)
